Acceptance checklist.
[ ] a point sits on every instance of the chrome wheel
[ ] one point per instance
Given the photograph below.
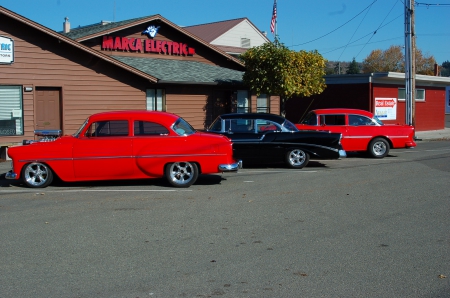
(297, 158)
(379, 148)
(37, 175)
(181, 174)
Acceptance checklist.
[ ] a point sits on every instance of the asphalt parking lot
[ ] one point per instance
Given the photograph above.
(356, 227)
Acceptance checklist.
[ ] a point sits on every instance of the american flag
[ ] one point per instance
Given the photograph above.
(274, 17)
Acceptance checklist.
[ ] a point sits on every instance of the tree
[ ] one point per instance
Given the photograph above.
(445, 69)
(274, 69)
(353, 67)
(393, 59)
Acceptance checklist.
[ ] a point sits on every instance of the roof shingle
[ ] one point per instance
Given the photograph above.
(179, 71)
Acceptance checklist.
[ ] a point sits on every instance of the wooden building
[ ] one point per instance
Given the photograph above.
(54, 80)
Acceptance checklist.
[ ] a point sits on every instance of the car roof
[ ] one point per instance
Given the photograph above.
(163, 117)
(342, 111)
(265, 116)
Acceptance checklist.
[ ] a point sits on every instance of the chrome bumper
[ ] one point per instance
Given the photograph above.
(342, 153)
(11, 175)
(231, 167)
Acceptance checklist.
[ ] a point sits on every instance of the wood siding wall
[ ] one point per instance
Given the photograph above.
(88, 85)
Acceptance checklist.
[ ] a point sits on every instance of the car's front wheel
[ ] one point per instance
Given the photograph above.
(379, 148)
(297, 158)
(37, 175)
(181, 174)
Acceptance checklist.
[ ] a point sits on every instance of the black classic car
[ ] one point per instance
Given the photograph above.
(264, 138)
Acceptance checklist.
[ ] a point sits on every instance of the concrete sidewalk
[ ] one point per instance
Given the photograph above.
(443, 134)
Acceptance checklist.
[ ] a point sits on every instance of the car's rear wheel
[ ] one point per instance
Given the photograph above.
(181, 174)
(37, 175)
(379, 148)
(297, 158)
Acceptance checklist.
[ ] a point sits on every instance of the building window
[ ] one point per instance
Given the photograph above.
(262, 104)
(245, 43)
(243, 103)
(419, 94)
(11, 112)
(156, 100)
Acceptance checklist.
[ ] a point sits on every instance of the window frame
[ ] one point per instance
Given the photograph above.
(259, 109)
(415, 94)
(155, 101)
(11, 112)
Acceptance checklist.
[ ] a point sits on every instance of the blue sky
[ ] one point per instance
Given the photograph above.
(339, 29)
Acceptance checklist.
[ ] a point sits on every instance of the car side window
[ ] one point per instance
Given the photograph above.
(266, 125)
(112, 128)
(242, 125)
(332, 119)
(356, 120)
(146, 128)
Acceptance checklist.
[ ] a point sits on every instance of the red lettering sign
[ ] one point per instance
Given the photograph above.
(385, 103)
(107, 43)
(146, 45)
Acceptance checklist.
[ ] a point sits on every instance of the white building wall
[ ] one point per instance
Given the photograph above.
(242, 30)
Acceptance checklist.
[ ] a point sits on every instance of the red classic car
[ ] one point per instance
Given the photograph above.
(124, 145)
(361, 130)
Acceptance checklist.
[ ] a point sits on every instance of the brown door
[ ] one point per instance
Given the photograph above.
(48, 108)
(224, 102)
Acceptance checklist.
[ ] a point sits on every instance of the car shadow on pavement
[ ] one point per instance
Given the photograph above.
(211, 179)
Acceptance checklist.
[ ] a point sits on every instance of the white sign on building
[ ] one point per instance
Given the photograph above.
(386, 108)
(6, 50)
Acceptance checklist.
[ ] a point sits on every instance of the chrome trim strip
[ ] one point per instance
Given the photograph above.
(293, 144)
(118, 157)
(230, 167)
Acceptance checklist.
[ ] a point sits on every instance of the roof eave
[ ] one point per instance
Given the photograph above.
(76, 44)
(174, 26)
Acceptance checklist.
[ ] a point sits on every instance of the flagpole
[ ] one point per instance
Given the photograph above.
(273, 21)
(276, 21)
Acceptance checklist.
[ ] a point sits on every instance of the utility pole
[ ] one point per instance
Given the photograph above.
(410, 63)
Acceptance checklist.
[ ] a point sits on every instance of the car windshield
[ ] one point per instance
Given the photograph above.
(310, 119)
(81, 128)
(182, 128)
(289, 126)
(375, 118)
(216, 125)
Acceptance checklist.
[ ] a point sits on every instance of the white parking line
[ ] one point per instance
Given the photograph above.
(436, 150)
(269, 171)
(93, 190)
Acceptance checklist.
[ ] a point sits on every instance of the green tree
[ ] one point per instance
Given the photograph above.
(353, 67)
(393, 59)
(274, 69)
(445, 69)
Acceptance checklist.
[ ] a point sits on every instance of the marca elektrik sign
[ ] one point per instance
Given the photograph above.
(150, 45)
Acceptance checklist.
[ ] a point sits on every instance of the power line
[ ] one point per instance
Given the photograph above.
(375, 32)
(432, 4)
(370, 33)
(354, 34)
(337, 27)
